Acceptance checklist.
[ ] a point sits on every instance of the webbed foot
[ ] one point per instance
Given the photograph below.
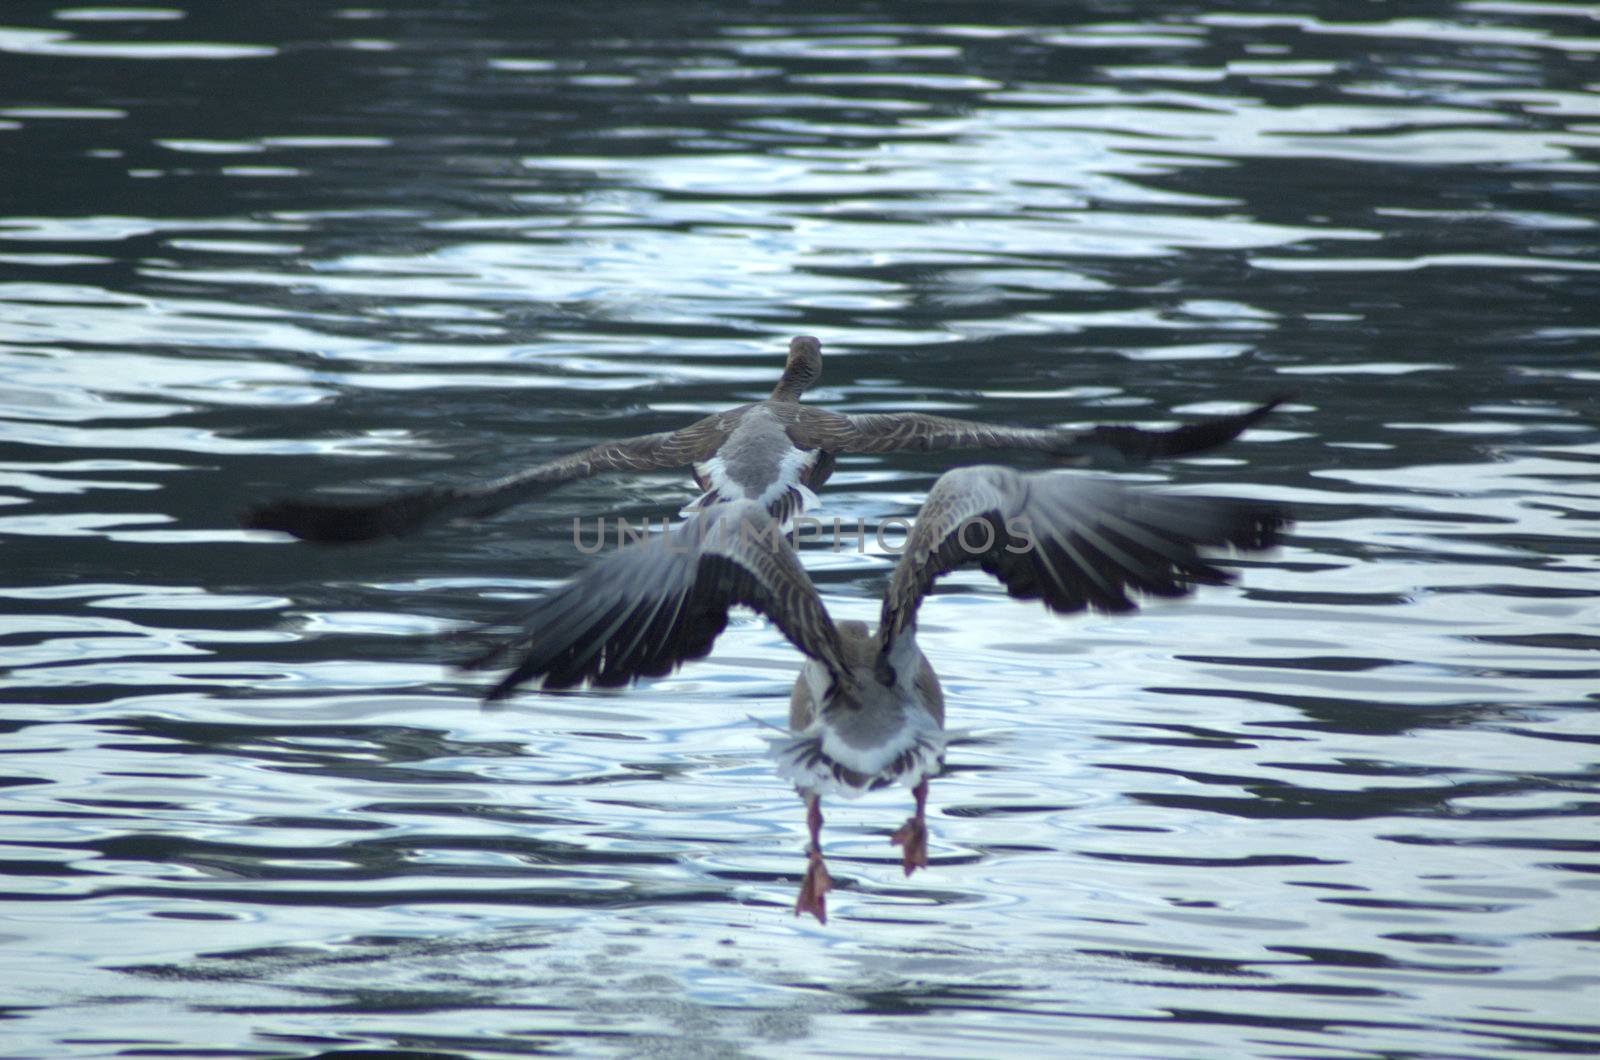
(912, 836)
(816, 884)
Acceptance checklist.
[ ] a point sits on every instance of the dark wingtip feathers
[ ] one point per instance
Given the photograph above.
(1134, 446)
(1261, 527)
(334, 523)
(1166, 557)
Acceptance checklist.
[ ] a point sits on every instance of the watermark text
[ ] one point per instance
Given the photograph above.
(976, 536)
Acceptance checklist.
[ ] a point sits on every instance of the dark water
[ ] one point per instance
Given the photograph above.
(1346, 809)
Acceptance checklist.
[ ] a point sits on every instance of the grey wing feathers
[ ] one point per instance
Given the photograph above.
(887, 432)
(1072, 541)
(891, 431)
(646, 609)
(335, 522)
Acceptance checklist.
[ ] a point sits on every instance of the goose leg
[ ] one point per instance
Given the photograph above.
(913, 835)
(817, 882)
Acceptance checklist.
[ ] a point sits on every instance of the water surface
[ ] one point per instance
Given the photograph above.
(1342, 809)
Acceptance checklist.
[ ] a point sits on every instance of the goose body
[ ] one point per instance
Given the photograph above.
(759, 461)
(867, 735)
(777, 450)
(867, 710)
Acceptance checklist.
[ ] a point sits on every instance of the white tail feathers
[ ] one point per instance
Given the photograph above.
(817, 762)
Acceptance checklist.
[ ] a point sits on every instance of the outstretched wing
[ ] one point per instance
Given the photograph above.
(338, 522)
(884, 432)
(1132, 446)
(646, 609)
(1071, 540)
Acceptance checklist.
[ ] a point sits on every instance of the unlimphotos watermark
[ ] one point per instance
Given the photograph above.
(976, 536)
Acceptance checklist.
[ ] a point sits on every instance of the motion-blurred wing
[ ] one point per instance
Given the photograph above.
(890, 431)
(1070, 540)
(340, 522)
(646, 609)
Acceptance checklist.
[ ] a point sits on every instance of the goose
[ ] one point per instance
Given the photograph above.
(730, 456)
(867, 709)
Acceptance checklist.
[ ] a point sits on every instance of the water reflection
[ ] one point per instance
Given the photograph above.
(1346, 808)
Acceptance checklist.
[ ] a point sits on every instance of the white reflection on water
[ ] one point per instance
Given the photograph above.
(1343, 807)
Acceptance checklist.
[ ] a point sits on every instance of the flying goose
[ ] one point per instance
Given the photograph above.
(866, 710)
(729, 455)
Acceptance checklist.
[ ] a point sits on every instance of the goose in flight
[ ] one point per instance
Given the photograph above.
(731, 457)
(867, 710)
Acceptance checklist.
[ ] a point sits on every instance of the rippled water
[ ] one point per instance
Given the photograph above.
(1345, 809)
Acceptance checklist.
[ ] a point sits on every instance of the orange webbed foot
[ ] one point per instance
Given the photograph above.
(912, 836)
(816, 884)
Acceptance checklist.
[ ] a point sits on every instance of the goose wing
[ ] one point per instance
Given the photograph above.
(884, 432)
(646, 609)
(330, 521)
(1071, 540)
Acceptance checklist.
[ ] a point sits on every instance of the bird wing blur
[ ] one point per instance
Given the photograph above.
(1070, 540)
(814, 435)
(646, 609)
